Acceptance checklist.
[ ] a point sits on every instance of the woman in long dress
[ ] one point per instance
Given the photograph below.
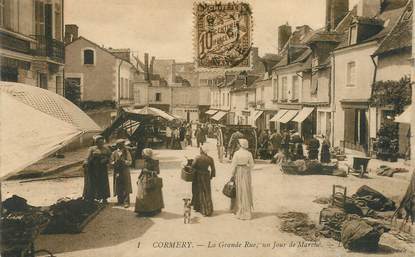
(242, 164)
(325, 151)
(203, 168)
(96, 175)
(149, 200)
(121, 161)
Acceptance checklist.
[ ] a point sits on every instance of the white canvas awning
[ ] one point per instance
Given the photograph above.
(303, 114)
(278, 116)
(218, 116)
(405, 117)
(257, 114)
(28, 135)
(211, 112)
(288, 116)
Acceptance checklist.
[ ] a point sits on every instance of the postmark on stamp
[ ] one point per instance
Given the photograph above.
(223, 35)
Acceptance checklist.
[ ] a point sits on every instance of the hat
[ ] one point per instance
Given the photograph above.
(243, 143)
(148, 152)
(97, 137)
(204, 149)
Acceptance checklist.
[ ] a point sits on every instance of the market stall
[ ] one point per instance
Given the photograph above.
(35, 124)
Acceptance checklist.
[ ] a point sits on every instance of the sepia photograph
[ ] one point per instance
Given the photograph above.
(208, 128)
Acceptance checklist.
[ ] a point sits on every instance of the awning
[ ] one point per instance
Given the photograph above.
(218, 115)
(303, 114)
(211, 112)
(257, 114)
(288, 116)
(405, 117)
(278, 116)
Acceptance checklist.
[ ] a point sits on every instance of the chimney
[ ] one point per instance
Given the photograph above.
(368, 8)
(152, 65)
(71, 33)
(284, 33)
(336, 10)
(146, 68)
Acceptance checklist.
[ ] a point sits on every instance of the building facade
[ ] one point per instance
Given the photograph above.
(103, 74)
(31, 43)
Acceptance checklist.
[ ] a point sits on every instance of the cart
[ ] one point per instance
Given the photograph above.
(224, 133)
(359, 167)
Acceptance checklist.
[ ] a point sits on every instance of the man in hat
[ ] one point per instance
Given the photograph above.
(121, 161)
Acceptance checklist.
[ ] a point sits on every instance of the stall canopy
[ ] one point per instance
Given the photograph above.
(218, 116)
(278, 116)
(211, 112)
(288, 116)
(405, 117)
(35, 123)
(257, 114)
(153, 112)
(303, 114)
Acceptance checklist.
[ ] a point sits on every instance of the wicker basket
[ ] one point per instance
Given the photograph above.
(187, 174)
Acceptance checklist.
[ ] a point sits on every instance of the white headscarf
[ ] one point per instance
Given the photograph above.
(243, 143)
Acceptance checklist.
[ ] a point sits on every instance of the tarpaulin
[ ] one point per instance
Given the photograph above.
(28, 135)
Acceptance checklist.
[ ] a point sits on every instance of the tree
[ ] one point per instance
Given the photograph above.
(72, 92)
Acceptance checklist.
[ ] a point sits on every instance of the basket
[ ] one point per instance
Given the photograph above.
(187, 174)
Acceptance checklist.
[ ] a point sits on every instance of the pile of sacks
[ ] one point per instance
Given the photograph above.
(345, 220)
(387, 171)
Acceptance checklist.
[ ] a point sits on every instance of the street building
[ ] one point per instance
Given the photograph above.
(103, 74)
(368, 25)
(31, 43)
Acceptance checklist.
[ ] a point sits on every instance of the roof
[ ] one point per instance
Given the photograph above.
(296, 54)
(240, 84)
(105, 50)
(401, 35)
(388, 17)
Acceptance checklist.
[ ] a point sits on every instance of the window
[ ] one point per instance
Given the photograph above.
(284, 88)
(246, 100)
(131, 90)
(262, 93)
(295, 88)
(137, 96)
(121, 88)
(89, 56)
(2, 13)
(353, 35)
(229, 99)
(275, 88)
(158, 97)
(59, 85)
(42, 80)
(39, 18)
(351, 74)
(58, 22)
(223, 99)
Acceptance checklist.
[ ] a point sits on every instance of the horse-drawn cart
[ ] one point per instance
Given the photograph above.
(224, 133)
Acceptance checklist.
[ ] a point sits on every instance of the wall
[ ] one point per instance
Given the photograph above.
(364, 78)
(166, 97)
(141, 93)
(394, 66)
(99, 81)
(322, 96)
(204, 95)
(266, 96)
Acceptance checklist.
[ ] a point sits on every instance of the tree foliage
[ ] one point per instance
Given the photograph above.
(392, 92)
(72, 92)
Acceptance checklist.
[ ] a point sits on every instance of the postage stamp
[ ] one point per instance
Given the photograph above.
(223, 35)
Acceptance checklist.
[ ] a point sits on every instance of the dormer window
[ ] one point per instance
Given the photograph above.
(353, 35)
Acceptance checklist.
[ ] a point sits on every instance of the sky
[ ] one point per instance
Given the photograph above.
(164, 28)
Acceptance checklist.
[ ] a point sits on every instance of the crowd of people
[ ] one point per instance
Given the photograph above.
(290, 145)
(149, 199)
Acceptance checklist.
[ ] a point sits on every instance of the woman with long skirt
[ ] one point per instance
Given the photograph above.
(203, 168)
(242, 164)
(325, 151)
(96, 180)
(149, 200)
(121, 161)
